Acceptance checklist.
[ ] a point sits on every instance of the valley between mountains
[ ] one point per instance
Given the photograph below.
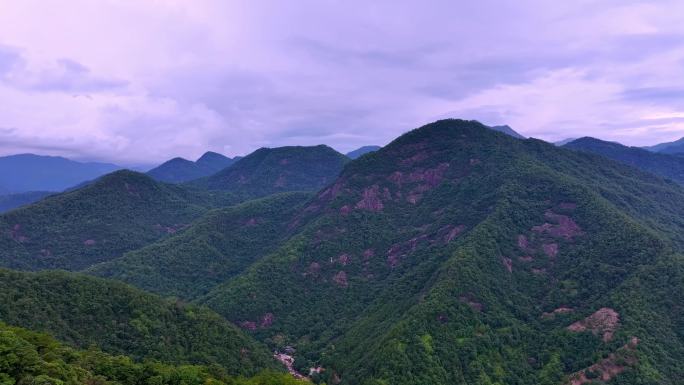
(456, 254)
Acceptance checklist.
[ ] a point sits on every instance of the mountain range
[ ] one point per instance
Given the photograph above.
(507, 130)
(179, 170)
(676, 147)
(271, 170)
(362, 151)
(29, 172)
(456, 254)
(663, 164)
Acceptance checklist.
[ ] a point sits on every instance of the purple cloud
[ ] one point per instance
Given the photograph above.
(184, 77)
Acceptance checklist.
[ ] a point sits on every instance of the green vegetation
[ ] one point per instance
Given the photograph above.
(272, 170)
(453, 255)
(119, 319)
(119, 212)
(34, 358)
(215, 248)
(435, 259)
(665, 165)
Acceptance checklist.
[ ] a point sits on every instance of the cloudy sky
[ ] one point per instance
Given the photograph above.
(140, 81)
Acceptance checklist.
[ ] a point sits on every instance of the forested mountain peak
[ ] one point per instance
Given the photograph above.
(455, 240)
(116, 213)
(211, 157)
(271, 170)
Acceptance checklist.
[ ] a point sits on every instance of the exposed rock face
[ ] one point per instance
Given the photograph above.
(604, 322)
(508, 263)
(562, 226)
(340, 279)
(608, 368)
(17, 235)
(288, 361)
(560, 310)
(267, 320)
(370, 199)
(453, 233)
(550, 249)
(400, 250)
(470, 300)
(344, 259)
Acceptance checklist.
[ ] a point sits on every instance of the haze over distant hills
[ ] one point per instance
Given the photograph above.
(12, 201)
(179, 170)
(362, 151)
(564, 141)
(663, 164)
(29, 172)
(507, 130)
(676, 147)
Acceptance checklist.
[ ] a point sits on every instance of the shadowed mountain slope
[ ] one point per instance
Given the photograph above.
(216, 247)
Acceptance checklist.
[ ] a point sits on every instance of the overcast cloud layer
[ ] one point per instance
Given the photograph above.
(136, 81)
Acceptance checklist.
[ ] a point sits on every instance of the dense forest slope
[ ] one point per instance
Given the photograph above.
(459, 255)
(272, 170)
(216, 247)
(85, 311)
(119, 212)
(27, 357)
(665, 165)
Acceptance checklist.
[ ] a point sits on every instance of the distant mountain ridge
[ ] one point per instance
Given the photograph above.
(178, 170)
(676, 147)
(663, 164)
(362, 151)
(30, 172)
(268, 171)
(12, 201)
(508, 131)
(564, 141)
